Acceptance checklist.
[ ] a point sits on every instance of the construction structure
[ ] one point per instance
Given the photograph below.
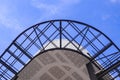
(61, 50)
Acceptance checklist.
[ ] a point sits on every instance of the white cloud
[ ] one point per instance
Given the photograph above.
(7, 19)
(115, 1)
(70, 1)
(46, 7)
(49, 8)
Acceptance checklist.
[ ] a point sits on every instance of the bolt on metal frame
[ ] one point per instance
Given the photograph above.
(102, 51)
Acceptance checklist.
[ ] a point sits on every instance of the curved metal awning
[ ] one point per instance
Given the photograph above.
(102, 50)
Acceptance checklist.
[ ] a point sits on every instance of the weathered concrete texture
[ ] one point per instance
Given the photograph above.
(56, 65)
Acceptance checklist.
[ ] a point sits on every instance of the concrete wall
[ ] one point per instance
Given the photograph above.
(56, 65)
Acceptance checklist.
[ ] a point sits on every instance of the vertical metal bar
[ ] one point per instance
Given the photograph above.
(60, 34)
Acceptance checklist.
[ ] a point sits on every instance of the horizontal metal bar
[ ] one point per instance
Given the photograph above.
(8, 67)
(18, 59)
(21, 49)
(102, 50)
(106, 71)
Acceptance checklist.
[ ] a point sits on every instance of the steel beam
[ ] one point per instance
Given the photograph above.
(7, 66)
(22, 50)
(102, 50)
(106, 71)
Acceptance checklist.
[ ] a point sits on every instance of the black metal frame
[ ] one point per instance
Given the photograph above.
(102, 51)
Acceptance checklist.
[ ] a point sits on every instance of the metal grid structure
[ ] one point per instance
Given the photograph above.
(102, 51)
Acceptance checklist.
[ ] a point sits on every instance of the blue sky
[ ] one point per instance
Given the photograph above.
(18, 15)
